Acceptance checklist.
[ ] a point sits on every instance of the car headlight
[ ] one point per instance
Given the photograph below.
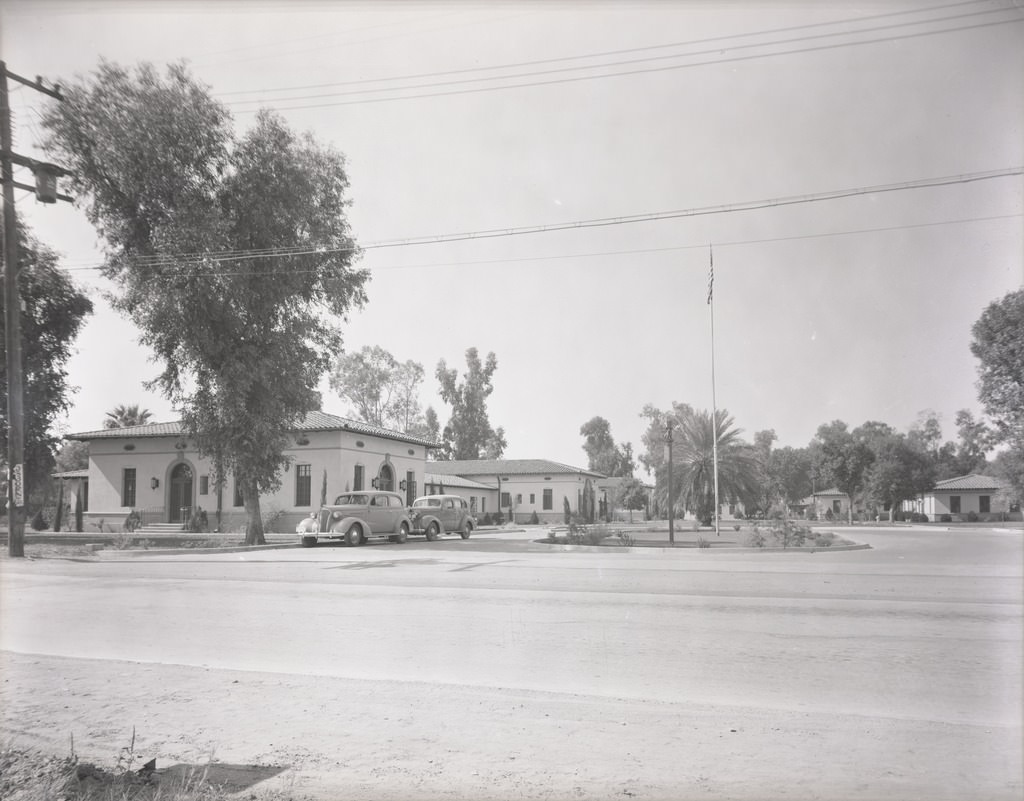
(335, 515)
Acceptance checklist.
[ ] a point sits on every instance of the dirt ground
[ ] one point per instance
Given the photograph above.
(348, 739)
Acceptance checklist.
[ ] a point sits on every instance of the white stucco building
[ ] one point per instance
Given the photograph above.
(155, 470)
(519, 487)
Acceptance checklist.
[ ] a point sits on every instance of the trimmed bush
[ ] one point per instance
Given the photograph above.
(972, 516)
(534, 520)
(133, 521)
(945, 518)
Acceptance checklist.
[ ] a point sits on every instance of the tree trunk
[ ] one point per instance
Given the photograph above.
(253, 518)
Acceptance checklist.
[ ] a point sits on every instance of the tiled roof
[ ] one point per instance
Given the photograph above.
(454, 481)
(969, 482)
(313, 421)
(835, 491)
(518, 467)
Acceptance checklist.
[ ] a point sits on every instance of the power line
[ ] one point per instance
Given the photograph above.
(620, 74)
(628, 252)
(560, 70)
(183, 259)
(606, 53)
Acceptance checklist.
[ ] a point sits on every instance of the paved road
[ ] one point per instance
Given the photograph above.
(891, 672)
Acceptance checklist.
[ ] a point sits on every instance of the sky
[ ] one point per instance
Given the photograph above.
(680, 126)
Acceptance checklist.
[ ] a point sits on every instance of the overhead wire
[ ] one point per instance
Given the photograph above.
(606, 53)
(181, 260)
(647, 59)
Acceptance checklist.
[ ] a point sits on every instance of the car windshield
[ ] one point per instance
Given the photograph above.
(422, 503)
(351, 500)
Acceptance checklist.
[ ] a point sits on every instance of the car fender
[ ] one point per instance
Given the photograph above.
(403, 519)
(338, 528)
(424, 521)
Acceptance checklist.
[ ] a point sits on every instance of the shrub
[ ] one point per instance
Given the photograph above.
(703, 543)
(566, 510)
(755, 539)
(945, 518)
(625, 538)
(736, 528)
(534, 520)
(972, 516)
(123, 541)
(829, 515)
(918, 517)
(39, 521)
(787, 533)
(824, 539)
(133, 521)
(198, 521)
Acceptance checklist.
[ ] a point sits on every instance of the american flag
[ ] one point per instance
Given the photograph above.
(711, 275)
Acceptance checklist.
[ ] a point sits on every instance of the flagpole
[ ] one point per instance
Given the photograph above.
(714, 400)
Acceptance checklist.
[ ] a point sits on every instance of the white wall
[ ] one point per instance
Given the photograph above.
(336, 452)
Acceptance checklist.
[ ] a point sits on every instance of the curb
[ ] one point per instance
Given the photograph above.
(109, 553)
(863, 546)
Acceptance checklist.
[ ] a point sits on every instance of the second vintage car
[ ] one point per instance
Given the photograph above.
(433, 515)
(356, 517)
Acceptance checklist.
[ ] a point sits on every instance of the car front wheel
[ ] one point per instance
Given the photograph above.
(308, 542)
(403, 534)
(354, 536)
(432, 532)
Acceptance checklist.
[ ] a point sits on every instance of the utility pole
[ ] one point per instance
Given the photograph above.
(671, 520)
(46, 191)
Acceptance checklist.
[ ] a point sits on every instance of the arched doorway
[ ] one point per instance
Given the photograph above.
(180, 493)
(386, 478)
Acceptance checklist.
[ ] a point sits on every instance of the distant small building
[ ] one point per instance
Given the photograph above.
(521, 487)
(831, 501)
(963, 496)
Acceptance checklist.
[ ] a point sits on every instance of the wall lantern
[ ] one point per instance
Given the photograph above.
(154, 482)
(374, 483)
(402, 485)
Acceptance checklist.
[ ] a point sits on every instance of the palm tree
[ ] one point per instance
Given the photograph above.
(693, 464)
(124, 416)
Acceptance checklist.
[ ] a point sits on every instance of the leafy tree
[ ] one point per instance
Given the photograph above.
(52, 316)
(998, 344)
(843, 459)
(693, 473)
(791, 468)
(383, 391)
(975, 440)
(603, 455)
(654, 440)
(431, 426)
(632, 495)
(768, 486)
(468, 434)
(73, 455)
(231, 253)
(1009, 466)
(122, 416)
(899, 471)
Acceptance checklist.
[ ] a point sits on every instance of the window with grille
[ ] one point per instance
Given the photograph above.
(303, 484)
(128, 487)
